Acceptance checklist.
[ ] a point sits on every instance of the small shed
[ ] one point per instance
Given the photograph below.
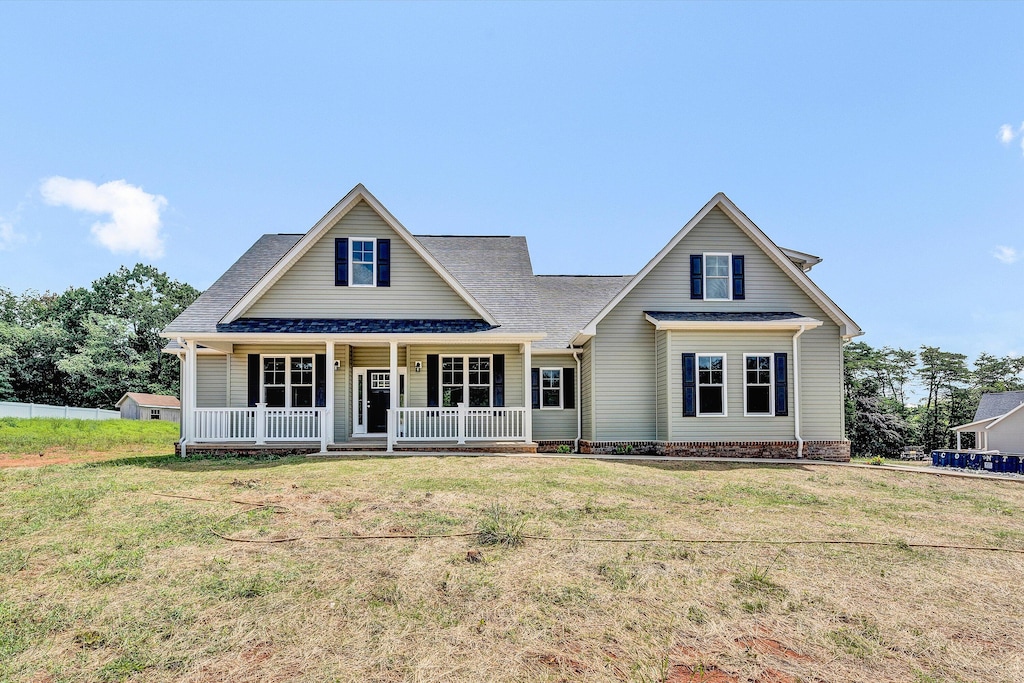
(998, 424)
(135, 406)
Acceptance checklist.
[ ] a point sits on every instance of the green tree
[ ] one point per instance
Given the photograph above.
(107, 365)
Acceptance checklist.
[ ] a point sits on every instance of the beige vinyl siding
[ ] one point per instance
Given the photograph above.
(417, 387)
(1008, 435)
(307, 290)
(623, 350)
(211, 381)
(376, 357)
(342, 393)
(661, 399)
(554, 424)
(586, 402)
(735, 426)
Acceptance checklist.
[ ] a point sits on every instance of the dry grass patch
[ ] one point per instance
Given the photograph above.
(105, 581)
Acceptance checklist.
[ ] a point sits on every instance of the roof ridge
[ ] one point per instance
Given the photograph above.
(474, 236)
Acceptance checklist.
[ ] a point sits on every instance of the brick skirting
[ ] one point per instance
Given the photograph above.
(551, 445)
(838, 451)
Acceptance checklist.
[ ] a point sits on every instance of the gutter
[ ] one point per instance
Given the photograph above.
(796, 393)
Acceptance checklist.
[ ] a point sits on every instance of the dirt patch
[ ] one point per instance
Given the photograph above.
(684, 673)
(61, 456)
(770, 646)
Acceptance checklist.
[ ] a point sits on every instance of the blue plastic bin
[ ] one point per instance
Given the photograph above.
(993, 462)
(943, 458)
(935, 458)
(975, 461)
(958, 460)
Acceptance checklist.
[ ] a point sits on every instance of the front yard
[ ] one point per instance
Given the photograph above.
(105, 580)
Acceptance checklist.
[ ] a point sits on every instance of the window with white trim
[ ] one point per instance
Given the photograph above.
(717, 277)
(288, 381)
(362, 262)
(711, 384)
(757, 380)
(550, 388)
(466, 376)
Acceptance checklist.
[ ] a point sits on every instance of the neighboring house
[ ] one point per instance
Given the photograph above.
(721, 345)
(998, 424)
(136, 406)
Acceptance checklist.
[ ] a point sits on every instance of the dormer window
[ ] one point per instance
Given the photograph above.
(362, 262)
(717, 277)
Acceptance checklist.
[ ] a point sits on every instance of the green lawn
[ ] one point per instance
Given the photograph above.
(46, 435)
(103, 580)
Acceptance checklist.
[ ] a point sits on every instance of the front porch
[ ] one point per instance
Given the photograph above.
(341, 395)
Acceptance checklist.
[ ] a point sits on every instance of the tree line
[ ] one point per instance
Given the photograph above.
(89, 345)
(881, 417)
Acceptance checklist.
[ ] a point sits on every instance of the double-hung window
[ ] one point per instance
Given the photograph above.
(757, 379)
(463, 376)
(550, 388)
(154, 414)
(711, 394)
(717, 277)
(362, 263)
(288, 381)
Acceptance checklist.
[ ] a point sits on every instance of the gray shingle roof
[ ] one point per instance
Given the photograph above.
(206, 311)
(496, 270)
(712, 316)
(994, 405)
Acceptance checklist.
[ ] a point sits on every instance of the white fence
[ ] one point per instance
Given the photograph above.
(461, 424)
(9, 409)
(259, 425)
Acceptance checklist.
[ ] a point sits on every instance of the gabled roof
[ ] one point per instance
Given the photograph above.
(150, 400)
(847, 327)
(352, 325)
(998, 404)
(357, 194)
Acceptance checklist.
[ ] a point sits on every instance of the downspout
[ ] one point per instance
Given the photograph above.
(796, 393)
(181, 390)
(579, 403)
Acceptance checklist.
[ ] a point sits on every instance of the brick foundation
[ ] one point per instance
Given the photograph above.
(225, 451)
(838, 451)
(551, 445)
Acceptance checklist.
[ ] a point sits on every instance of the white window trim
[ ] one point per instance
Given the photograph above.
(287, 376)
(771, 384)
(724, 384)
(728, 277)
(561, 390)
(465, 377)
(351, 261)
(156, 412)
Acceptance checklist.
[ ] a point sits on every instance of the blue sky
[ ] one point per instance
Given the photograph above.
(869, 134)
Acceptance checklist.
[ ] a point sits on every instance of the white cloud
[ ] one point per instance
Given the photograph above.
(1006, 255)
(9, 238)
(134, 224)
(1006, 134)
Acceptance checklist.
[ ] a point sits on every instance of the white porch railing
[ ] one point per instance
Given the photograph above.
(459, 424)
(260, 424)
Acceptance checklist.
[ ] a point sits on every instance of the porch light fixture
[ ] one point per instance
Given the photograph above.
(419, 366)
(337, 365)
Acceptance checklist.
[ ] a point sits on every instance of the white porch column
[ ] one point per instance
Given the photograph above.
(527, 390)
(958, 440)
(393, 395)
(190, 364)
(328, 425)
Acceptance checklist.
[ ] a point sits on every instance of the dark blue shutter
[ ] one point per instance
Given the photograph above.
(781, 385)
(254, 379)
(689, 385)
(568, 387)
(696, 277)
(320, 371)
(383, 263)
(535, 382)
(738, 289)
(433, 385)
(341, 262)
(498, 368)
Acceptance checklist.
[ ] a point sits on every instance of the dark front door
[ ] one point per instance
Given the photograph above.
(379, 400)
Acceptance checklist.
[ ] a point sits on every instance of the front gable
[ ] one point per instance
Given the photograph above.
(305, 283)
(770, 280)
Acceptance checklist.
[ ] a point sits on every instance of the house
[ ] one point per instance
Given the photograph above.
(998, 424)
(136, 406)
(358, 334)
